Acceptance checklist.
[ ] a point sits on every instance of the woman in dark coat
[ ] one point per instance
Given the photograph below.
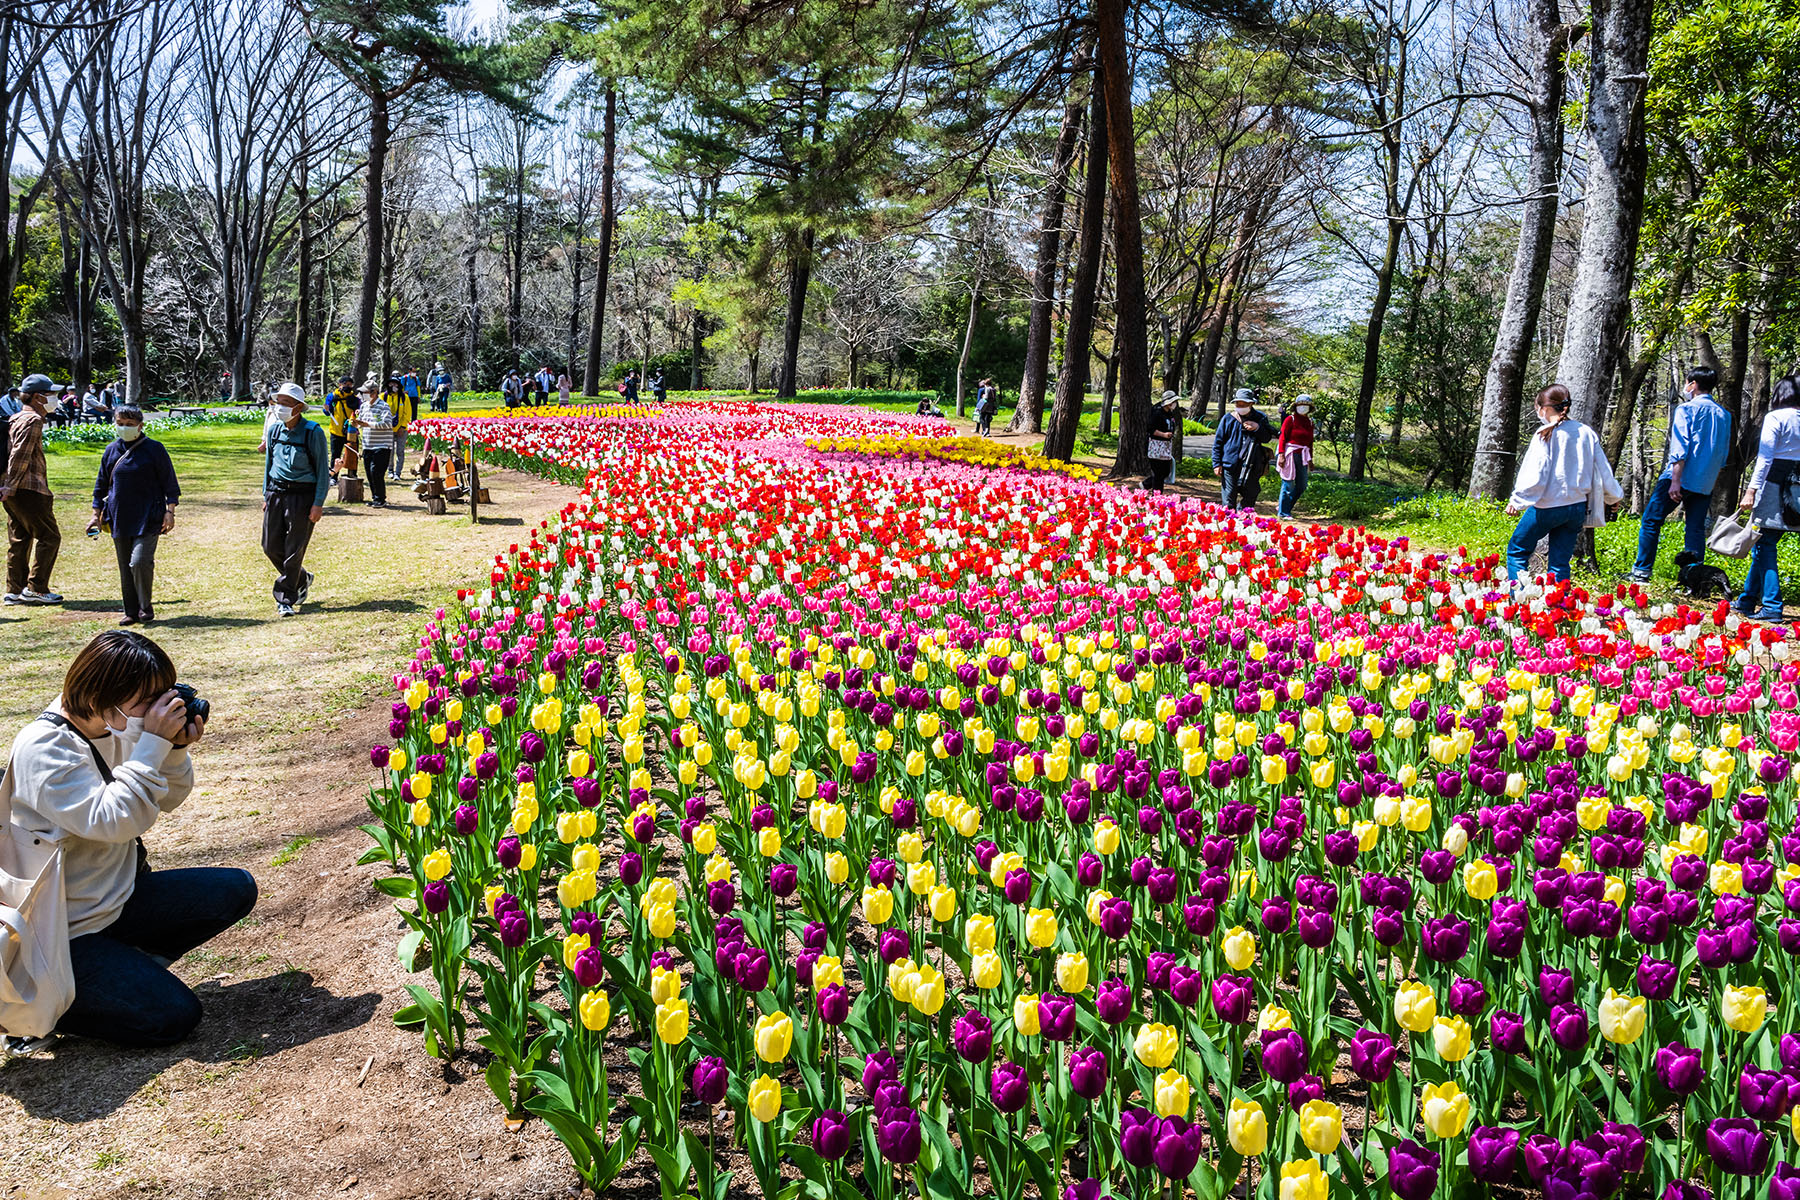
(135, 496)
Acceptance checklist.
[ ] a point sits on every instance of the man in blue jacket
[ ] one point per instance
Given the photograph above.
(1238, 455)
(296, 476)
(1699, 440)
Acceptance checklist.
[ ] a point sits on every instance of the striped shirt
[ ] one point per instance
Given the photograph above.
(376, 420)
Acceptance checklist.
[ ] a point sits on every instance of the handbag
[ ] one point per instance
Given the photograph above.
(1731, 537)
(1161, 450)
(37, 978)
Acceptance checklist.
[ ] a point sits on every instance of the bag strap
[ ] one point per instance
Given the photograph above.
(56, 718)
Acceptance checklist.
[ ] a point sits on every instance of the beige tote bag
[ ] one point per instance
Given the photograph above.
(37, 980)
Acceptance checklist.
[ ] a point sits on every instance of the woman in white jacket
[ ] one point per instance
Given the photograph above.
(95, 771)
(1564, 485)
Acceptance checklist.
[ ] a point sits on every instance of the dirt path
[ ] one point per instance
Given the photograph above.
(264, 1100)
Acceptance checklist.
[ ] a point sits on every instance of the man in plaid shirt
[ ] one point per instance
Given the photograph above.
(30, 509)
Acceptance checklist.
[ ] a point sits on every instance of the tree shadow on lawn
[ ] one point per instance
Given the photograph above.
(370, 606)
(79, 1079)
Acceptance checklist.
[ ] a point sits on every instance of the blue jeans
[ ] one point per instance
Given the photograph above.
(1293, 489)
(1694, 508)
(124, 996)
(1562, 525)
(1762, 583)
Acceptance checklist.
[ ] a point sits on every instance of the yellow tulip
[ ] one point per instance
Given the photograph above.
(878, 905)
(1155, 1045)
(943, 903)
(1273, 1016)
(928, 993)
(1451, 1036)
(1444, 1109)
(1173, 1092)
(1415, 1007)
(1480, 880)
(1248, 1128)
(1622, 1018)
(837, 868)
(1303, 1180)
(436, 864)
(1040, 927)
(596, 1010)
(1025, 1013)
(1239, 946)
(1106, 836)
(768, 841)
(1321, 1126)
(662, 920)
(827, 970)
(979, 933)
(774, 1035)
(985, 970)
(1072, 973)
(672, 1021)
(665, 985)
(765, 1099)
(1744, 1008)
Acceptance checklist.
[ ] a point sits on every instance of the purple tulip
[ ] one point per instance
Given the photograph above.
(1680, 1068)
(1234, 998)
(1112, 1000)
(1737, 1147)
(973, 1036)
(1538, 1154)
(1137, 1137)
(1507, 1031)
(834, 1004)
(467, 819)
(710, 1079)
(1056, 1017)
(1555, 987)
(1115, 918)
(1681, 1189)
(1568, 1026)
(1786, 1183)
(894, 945)
(1467, 997)
(1009, 1087)
(508, 851)
(1283, 1054)
(1412, 1170)
(831, 1135)
(1372, 1055)
(1765, 1095)
(1317, 929)
(631, 868)
(721, 896)
(589, 969)
(897, 1135)
(1177, 1149)
(1493, 1154)
(879, 1068)
(437, 896)
(750, 966)
(1307, 1087)
(783, 879)
(1656, 978)
(1087, 1072)
(1185, 984)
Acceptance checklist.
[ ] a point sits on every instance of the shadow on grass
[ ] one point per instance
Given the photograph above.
(82, 1080)
(374, 606)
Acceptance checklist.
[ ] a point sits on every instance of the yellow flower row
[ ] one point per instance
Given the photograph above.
(971, 451)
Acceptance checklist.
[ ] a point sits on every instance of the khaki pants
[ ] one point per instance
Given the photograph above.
(31, 519)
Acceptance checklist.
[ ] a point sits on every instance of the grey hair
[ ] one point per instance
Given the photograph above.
(130, 412)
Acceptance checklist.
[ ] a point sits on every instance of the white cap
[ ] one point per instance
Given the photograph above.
(292, 391)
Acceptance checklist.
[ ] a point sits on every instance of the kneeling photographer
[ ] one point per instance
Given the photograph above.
(93, 773)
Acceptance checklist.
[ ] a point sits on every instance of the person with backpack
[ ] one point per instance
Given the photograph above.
(106, 759)
(987, 403)
(340, 410)
(295, 480)
(135, 495)
(512, 389)
(34, 538)
(404, 406)
(1239, 455)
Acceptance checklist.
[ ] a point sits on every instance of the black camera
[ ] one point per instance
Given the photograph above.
(197, 708)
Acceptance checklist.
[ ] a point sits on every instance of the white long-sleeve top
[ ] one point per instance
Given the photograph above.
(53, 788)
(1780, 438)
(1568, 467)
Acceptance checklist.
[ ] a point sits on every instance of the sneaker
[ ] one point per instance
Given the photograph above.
(284, 610)
(24, 1047)
(1635, 576)
(12, 598)
(31, 597)
(305, 587)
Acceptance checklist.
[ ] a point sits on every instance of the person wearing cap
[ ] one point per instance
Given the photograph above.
(33, 536)
(1293, 454)
(135, 495)
(340, 410)
(375, 426)
(296, 476)
(1238, 454)
(404, 406)
(441, 383)
(1161, 449)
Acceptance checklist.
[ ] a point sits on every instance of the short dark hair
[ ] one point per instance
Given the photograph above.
(1786, 393)
(130, 412)
(1703, 375)
(114, 669)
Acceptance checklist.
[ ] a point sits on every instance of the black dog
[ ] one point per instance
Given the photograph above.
(1702, 580)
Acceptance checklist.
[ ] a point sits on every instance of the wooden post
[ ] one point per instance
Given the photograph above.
(474, 487)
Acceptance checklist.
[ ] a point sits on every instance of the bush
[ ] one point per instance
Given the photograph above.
(1344, 500)
(90, 436)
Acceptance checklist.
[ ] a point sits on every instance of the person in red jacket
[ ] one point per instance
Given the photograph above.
(1293, 453)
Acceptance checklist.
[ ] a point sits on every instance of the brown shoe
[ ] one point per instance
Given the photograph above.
(128, 619)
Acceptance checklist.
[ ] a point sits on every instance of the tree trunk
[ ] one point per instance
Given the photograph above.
(1109, 391)
(1078, 334)
(303, 293)
(1130, 337)
(962, 361)
(373, 227)
(515, 284)
(1497, 442)
(1028, 414)
(1371, 365)
(590, 378)
(799, 276)
(1617, 160)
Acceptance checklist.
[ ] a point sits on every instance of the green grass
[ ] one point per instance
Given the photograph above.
(291, 851)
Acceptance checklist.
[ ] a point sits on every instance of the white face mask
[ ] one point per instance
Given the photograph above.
(1242, 410)
(1546, 421)
(285, 412)
(129, 433)
(1303, 409)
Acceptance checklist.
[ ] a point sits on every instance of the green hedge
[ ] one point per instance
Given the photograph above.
(95, 436)
(857, 396)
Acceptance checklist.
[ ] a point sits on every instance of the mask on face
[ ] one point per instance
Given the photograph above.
(285, 412)
(1242, 410)
(129, 433)
(1303, 409)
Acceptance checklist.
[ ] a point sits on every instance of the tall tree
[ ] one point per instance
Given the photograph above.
(1131, 336)
(1084, 287)
(1543, 74)
(1612, 205)
(609, 221)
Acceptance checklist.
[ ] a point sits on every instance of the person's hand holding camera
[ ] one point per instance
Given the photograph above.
(167, 717)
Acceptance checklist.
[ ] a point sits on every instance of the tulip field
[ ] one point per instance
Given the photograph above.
(824, 805)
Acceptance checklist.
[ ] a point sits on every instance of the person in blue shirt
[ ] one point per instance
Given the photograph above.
(1238, 455)
(135, 496)
(295, 479)
(1699, 439)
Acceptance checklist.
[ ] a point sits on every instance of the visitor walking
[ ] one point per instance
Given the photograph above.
(409, 383)
(405, 409)
(441, 383)
(563, 384)
(545, 380)
(135, 495)
(1565, 485)
(987, 403)
(340, 409)
(1161, 449)
(33, 536)
(295, 480)
(375, 425)
(629, 388)
(107, 758)
(1773, 497)
(1238, 455)
(659, 389)
(1699, 439)
(1293, 454)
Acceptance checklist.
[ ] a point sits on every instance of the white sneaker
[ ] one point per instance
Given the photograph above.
(31, 597)
(284, 610)
(12, 598)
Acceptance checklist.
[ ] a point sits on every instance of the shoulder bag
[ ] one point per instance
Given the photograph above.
(1732, 536)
